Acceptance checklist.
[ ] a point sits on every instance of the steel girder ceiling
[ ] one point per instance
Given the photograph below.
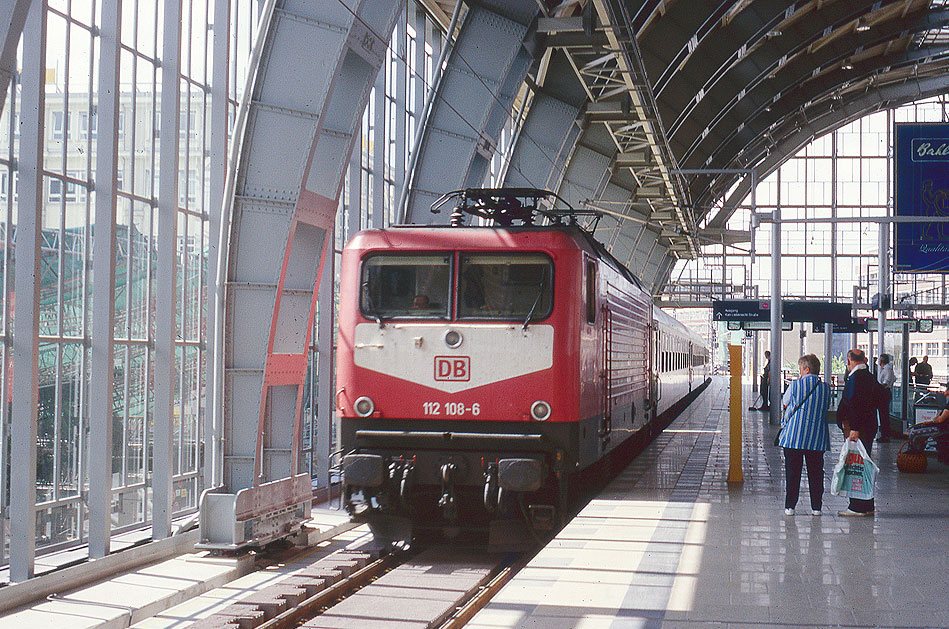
(734, 80)
(728, 85)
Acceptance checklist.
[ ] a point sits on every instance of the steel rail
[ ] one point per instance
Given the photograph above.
(310, 608)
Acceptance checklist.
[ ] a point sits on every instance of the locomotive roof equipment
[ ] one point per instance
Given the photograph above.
(505, 206)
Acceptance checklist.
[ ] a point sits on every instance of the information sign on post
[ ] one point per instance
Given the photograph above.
(896, 325)
(741, 310)
(856, 326)
(765, 325)
(759, 312)
(921, 157)
(817, 312)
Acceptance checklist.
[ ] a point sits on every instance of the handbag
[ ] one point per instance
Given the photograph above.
(796, 408)
(855, 472)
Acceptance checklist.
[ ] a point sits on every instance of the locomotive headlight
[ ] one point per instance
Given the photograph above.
(540, 410)
(364, 407)
(453, 338)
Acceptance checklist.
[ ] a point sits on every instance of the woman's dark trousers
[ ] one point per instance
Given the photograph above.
(793, 462)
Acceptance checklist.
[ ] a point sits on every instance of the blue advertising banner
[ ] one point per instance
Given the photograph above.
(922, 189)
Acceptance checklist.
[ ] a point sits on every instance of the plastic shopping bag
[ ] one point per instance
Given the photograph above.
(854, 473)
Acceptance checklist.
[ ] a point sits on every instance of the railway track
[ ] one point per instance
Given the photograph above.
(437, 587)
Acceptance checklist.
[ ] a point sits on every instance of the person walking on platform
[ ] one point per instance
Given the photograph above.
(765, 384)
(804, 435)
(886, 378)
(857, 417)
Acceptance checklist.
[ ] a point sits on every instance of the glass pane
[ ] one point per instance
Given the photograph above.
(505, 286)
(57, 524)
(136, 410)
(131, 507)
(70, 428)
(406, 286)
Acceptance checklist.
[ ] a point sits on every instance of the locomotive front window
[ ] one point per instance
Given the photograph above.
(505, 286)
(406, 286)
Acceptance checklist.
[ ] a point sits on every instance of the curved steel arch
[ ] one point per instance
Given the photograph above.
(879, 99)
(12, 20)
(752, 141)
(796, 79)
(473, 99)
(550, 130)
(313, 70)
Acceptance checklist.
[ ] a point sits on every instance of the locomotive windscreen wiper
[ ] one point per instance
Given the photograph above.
(540, 293)
(372, 308)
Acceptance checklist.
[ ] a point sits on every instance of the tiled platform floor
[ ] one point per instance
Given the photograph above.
(671, 544)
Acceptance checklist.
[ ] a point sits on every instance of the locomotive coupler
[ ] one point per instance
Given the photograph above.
(447, 501)
(491, 487)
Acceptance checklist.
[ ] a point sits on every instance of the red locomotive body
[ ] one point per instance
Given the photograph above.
(480, 369)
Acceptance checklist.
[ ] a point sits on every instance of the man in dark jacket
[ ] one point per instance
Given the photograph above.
(765, 385)
(857, 416)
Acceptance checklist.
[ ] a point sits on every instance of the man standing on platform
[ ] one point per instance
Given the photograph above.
(924, 372)
(765, 384)
(886, 377)
(857, 416)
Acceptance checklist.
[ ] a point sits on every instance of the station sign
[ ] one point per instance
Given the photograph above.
(791, 311)
(817, 312)
(921, 164)
(856, 326)
(765, 325)
(741, 310)
(896, 325)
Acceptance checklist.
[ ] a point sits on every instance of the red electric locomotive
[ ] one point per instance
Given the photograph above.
(480, 369)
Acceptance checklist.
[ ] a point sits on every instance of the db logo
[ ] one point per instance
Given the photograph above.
(453, 368)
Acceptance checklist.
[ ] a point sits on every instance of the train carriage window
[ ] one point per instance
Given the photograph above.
(591, 291)
(406, 286)
(515, 286)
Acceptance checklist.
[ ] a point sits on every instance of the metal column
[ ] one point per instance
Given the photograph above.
(324, 410)
(103, 284)
(213, 432)
(377, 156)
(26, 309)
(401, 90)
(775, 385)
(754, 351)
(166, 276)
(882, 285)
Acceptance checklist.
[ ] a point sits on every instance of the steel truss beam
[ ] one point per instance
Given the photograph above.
(615, 81)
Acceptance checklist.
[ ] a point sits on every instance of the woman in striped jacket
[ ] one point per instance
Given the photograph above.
(804, 434)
